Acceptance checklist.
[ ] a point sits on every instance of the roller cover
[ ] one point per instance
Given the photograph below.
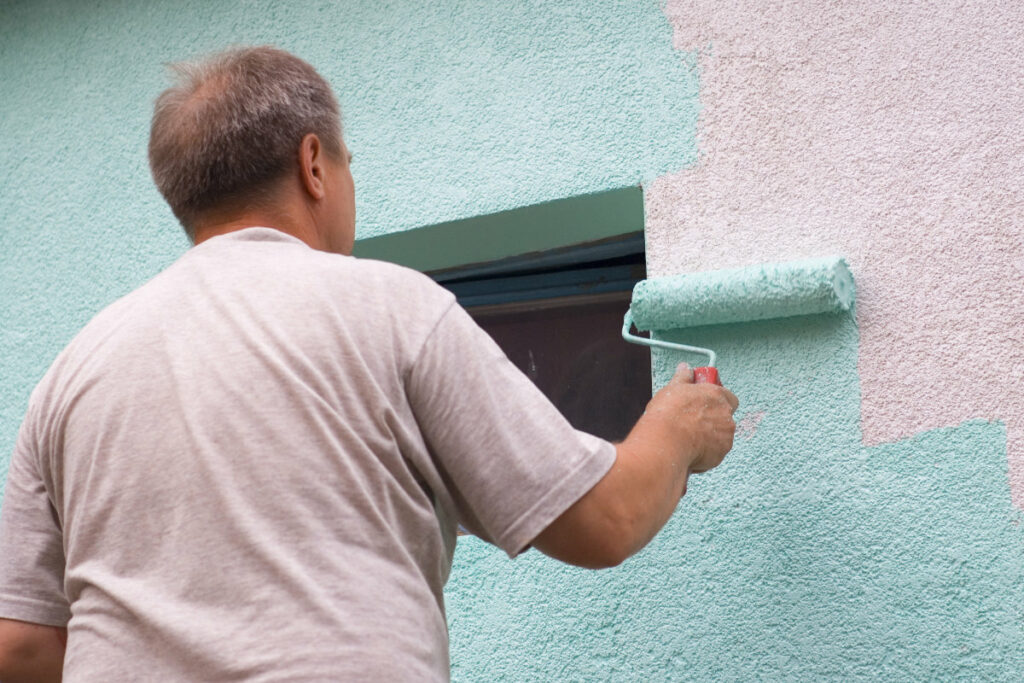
(776, 290)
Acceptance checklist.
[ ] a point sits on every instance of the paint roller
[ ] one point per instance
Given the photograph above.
(777, 290)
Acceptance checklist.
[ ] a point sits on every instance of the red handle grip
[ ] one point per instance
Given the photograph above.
(706, 375)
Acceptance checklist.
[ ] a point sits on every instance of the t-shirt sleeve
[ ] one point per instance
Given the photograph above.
(31, 546)
(514, 462)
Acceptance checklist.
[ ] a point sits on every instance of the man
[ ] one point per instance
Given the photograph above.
(253, 466)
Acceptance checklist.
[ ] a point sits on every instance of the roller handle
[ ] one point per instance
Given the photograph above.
(706, 375)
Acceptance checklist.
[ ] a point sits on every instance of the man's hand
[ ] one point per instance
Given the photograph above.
(31, 653)
(703, 413)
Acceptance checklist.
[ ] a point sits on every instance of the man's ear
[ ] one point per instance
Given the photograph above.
(311, 166)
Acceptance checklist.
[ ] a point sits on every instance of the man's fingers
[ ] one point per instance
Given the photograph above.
(731, 398)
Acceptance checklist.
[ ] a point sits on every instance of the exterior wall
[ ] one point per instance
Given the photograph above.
(886, 132)
(863, 527)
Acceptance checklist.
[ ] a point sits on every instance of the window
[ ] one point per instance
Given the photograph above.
(558, 316)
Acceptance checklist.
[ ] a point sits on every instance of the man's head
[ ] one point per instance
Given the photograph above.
(246, 129)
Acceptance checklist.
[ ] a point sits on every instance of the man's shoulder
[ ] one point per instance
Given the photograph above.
(399, 283)
(394, 271)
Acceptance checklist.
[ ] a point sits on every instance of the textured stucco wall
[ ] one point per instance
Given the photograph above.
(805, 557)
(888, 132)
(841, 540)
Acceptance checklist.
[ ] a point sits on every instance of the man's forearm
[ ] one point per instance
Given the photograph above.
(31, 653)
(654, 465)
(685, 429)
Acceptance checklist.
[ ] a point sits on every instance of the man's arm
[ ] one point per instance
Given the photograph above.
(687, 428)
(31, 653)
(31, 570)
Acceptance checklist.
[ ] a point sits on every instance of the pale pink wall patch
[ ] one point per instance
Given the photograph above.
(887, 132)
(746, 427)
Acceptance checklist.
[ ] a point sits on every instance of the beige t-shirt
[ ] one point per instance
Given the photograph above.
(252, 468)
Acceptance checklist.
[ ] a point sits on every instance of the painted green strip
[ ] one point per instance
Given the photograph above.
(550, 225)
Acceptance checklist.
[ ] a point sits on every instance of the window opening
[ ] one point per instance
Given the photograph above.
(557, 315)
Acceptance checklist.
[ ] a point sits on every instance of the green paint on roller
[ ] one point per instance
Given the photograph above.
(779, 290)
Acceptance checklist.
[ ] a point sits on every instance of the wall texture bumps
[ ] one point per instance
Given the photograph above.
(863, 527)
(886, 132)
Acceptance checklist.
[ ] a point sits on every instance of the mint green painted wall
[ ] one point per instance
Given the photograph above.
(805, 557)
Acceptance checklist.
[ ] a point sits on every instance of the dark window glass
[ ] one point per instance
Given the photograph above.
(558, 317)
(572, 350)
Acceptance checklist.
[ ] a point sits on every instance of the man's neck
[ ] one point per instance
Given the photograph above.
(303, 230)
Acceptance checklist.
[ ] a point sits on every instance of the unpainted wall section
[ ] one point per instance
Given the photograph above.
(887, 132)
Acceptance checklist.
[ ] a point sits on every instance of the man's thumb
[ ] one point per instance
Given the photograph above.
(684, 373)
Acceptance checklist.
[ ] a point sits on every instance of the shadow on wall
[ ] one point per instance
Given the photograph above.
(805, 556)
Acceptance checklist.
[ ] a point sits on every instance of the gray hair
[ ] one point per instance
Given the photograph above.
(231, 126)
